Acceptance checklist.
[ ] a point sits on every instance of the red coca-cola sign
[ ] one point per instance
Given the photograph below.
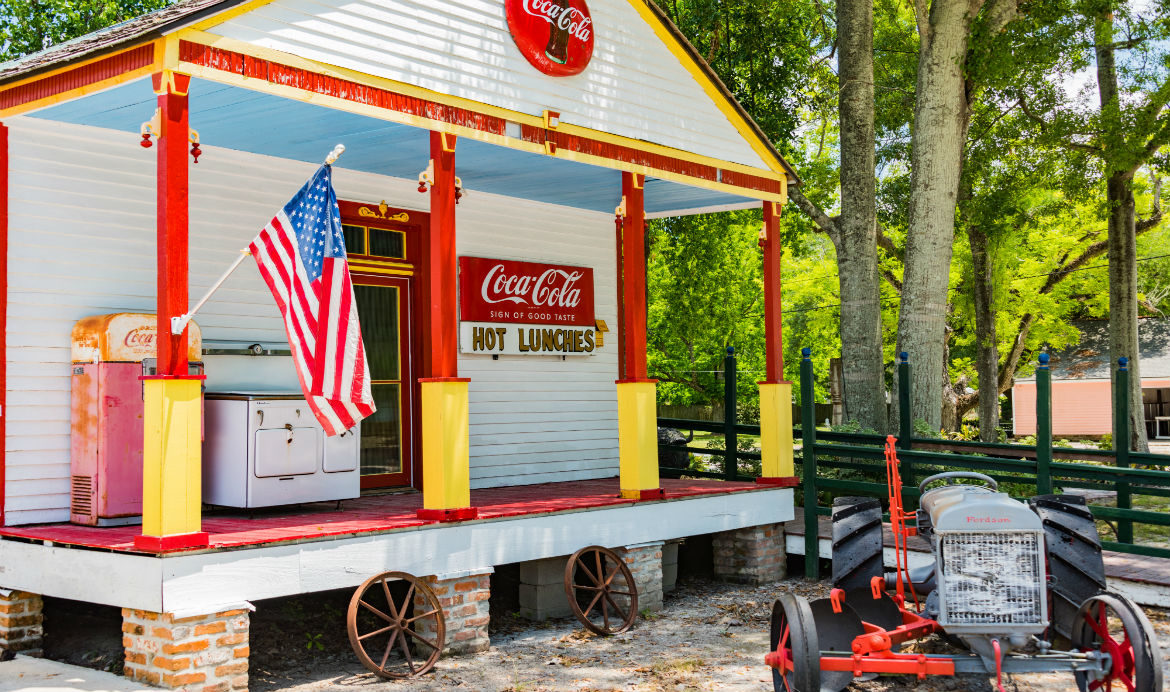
(492, 290)
(555, 36)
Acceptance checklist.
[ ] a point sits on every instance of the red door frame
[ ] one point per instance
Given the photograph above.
(416, 225)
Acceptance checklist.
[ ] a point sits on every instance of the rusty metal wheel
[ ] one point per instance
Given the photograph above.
(395, 625)
(601, 590)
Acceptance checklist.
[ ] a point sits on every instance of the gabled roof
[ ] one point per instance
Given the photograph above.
(111, 38)
(1089, 358)
(187, 12)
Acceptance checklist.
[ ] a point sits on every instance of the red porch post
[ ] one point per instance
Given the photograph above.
(172, 420)
(775, 393)
(636, 395)
(444, 401)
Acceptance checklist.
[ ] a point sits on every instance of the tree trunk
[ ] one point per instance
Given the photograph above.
(986, 346)
(939, 133)
(1122, 240)
(857, 266)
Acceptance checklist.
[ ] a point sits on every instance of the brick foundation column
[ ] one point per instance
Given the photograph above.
(464, 598)
(21, 622)
(645, 563)
(542, 589)
(205, 653)
(754, 555)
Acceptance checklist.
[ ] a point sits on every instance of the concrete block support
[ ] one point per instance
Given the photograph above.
(753, 555)
(669, 566)
(21, 622)
(464, 598)
(203, 653)
(645, 563)
(542, 589)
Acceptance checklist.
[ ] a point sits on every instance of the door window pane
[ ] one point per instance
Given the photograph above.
(378, 314)
(387, 243)
(355, 239)
(382, 433)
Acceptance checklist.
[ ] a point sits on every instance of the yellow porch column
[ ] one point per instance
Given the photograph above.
(445, 457)
(171, 457)
(638, 439)
(776, 434)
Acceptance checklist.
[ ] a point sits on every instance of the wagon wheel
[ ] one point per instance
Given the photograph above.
(392, 635)
(601, 590)
(1114, 625)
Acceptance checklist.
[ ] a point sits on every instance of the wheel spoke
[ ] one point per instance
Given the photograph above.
(600, 569)
(605, 609)
(616, 607)
(376, 632)
(406, 650)
(426, 614)
(389, 648)
(377, 612)
(389, 600)
(422, 639)
(783, 646)
(406, 601)
(593, 603)
(585, 568)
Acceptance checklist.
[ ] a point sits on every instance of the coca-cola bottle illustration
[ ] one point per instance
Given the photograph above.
(557, 49)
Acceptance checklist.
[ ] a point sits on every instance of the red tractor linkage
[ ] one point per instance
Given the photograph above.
(1008, 581)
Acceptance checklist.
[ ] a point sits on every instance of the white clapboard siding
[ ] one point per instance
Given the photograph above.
(633, 86)
(82, 242)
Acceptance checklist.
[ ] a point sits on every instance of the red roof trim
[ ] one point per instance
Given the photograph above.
(284, 75)
(77, 77)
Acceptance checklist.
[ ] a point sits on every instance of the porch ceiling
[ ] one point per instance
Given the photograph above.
(245, 120)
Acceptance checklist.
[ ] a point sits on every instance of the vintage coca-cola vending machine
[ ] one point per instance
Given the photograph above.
(110, 355)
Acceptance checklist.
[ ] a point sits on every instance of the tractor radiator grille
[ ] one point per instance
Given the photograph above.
(992, 578)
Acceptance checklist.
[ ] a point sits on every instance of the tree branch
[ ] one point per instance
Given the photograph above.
(826, 223)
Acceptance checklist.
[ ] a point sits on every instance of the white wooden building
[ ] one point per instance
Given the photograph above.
(96, 224)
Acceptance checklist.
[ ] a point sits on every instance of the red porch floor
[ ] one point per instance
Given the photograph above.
(373, 514)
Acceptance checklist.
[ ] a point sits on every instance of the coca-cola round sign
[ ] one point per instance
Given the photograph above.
(555, 36)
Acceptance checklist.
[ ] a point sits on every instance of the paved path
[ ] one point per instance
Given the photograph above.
(24, 674)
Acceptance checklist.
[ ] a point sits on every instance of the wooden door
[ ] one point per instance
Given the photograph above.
(383, 245)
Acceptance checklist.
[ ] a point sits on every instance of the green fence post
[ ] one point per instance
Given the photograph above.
(730, 440)
(905, 420)
(808, 437)
(1121, 445)
(1043, 427)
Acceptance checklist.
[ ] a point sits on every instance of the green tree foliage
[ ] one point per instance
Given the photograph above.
(33, 25)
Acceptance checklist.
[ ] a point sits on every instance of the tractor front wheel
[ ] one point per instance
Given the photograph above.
(1112, 624)
(794, 639)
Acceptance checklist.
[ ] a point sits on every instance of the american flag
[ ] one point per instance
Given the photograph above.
(301, 255)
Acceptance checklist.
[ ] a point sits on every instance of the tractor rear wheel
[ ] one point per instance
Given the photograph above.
(1075, 568)
(857, 542)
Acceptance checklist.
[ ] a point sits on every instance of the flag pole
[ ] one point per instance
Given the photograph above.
(179, 323)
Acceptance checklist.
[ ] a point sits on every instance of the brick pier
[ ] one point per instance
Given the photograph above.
(754, 555)
(21, 622)
(202, 653)
(464, 599)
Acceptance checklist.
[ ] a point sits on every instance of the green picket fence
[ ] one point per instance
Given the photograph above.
(841, 463)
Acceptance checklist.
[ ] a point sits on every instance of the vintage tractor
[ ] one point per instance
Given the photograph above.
(1014, 587)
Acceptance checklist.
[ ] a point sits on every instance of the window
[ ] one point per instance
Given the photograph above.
(374, 242)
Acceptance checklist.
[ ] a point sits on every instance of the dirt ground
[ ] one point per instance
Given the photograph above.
(710, 636)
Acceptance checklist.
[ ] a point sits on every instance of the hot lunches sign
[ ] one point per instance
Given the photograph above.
(526, 308)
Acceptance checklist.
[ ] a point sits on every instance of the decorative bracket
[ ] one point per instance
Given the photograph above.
(427, 177)
(151, 127)
(552, 119)
(448, 141)
(620, 210)
(599, 332)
